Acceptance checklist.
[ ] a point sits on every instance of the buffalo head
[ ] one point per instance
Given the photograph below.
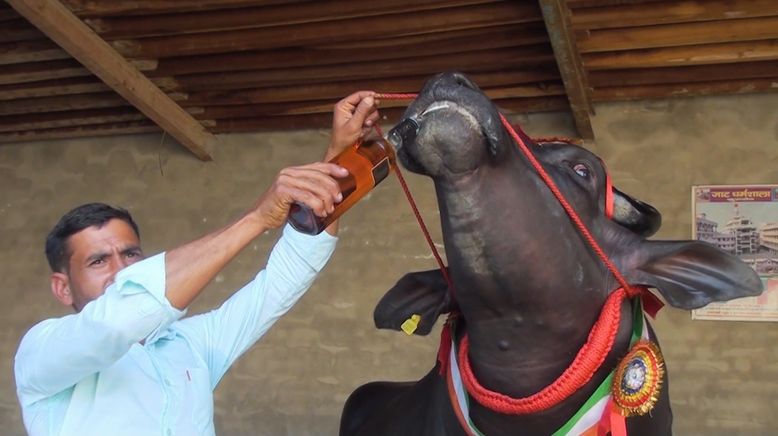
(528, 285)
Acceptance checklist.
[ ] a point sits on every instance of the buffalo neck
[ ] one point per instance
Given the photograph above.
(527, 287)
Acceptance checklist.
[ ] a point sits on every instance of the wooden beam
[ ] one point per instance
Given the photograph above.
(557, 19)
(328, 32)
(126, 128)
(686, 89)
(649, 14)
(372, 50)
(131, 27)
(57, 22)
(680, 56)
(680, 34)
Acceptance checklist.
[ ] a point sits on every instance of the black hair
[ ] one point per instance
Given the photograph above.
(86, 215)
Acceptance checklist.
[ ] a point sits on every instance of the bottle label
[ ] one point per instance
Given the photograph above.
(380, 171)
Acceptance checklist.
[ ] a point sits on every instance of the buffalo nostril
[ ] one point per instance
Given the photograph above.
(462, 80)
(455, 78)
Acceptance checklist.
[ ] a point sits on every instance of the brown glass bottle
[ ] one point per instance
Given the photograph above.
(368, 164)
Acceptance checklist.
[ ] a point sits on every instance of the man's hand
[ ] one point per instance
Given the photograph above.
(352, 119)
(312, 185)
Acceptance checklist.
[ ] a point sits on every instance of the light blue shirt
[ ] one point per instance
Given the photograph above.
(87, 373)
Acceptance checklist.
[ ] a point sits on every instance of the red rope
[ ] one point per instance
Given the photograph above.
(601, 338)
(408, 195)
(585, 364)
(569, 209)
(396, 96)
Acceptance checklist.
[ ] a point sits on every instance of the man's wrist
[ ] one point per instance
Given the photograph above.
(332, 152)
(254, 222)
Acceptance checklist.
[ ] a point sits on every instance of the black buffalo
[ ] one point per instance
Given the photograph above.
(527, 286)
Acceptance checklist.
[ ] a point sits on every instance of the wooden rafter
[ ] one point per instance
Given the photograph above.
(75, 37)
(557, 18)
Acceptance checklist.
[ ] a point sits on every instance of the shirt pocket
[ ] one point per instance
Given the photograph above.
(199, 395)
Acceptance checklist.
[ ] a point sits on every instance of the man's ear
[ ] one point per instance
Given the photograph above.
(60, 287)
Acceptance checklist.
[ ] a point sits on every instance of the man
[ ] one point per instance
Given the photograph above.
(126, 363)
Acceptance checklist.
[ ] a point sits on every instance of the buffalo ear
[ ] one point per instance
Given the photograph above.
(639, 217)
(422, 293)
(691, 274)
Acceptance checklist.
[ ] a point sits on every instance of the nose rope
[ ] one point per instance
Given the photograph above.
(601, 337)
(543, 175)
(411, 201)
(568, 209)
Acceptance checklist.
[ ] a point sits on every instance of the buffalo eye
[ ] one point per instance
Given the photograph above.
(582, 170)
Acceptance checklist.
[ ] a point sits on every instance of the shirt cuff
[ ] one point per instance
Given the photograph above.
(147, 276)
(319, 247)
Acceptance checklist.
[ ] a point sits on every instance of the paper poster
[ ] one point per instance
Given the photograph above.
(742, 220)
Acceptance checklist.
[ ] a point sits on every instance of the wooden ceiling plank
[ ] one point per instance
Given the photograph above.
(646, 14)
(62, 103)
(575, 4)
(37, 71)
(387, 49)
(674, 35)
(655, 76)
(557, 18)
(56, 21)
(528, 33)
(681, 56)
(150, 7)
(7, 13)
(390, 115)
(50, 120)
(44, 88)
(334, 91)
(30, 51)
(526, 104)
(19, 30)
(748, 86)
(471, 61)
(125, 128)
(488, 15)
(132, 27)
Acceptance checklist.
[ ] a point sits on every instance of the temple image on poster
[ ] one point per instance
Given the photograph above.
(742, 220)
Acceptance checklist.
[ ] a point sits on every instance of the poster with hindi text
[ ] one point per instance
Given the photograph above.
(742, 220)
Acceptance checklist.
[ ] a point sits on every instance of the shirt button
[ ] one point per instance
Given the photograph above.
(167, 382)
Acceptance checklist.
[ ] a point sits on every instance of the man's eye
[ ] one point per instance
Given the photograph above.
(96, 262)
(582, 170)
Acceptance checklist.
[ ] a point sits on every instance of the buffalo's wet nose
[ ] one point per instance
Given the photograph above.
(463, 81)
(458, 79)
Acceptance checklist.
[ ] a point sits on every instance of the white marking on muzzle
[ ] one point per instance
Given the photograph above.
(450, 105)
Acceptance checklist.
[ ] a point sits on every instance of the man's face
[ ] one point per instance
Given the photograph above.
(96, 255)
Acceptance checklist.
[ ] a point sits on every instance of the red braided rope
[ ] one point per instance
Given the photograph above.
(415, 209)
(396, 96)
(601, 338)
(585, 364)
(569, 209)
